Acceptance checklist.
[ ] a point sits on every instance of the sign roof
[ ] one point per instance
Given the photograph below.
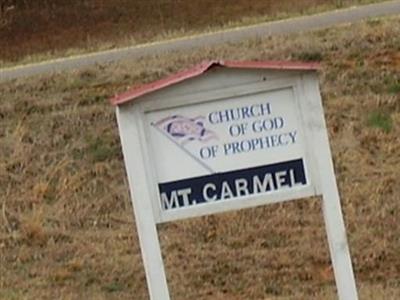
(203, 67)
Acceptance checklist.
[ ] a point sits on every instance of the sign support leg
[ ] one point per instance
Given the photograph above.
(335, 227)
(339, 250)
(152, 259)
(332, 211)
(141, 199)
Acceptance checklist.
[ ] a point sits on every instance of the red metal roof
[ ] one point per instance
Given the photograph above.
(201, 68)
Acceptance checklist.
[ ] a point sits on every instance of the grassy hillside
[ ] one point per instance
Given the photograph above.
(59, 27)
(66, 224)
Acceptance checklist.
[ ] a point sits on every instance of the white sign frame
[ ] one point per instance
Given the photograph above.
(321, 177)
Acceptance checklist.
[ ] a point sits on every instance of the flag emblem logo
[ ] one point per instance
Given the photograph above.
(183, 130)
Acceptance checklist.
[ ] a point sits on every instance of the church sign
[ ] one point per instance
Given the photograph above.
(224, 136)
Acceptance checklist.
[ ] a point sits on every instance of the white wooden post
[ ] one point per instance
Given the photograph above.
(141, 198)
(336, 233)
(334, 224)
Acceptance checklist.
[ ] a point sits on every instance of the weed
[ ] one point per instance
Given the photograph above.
(33, 230)
(61, 275)
(272, 289)
(100, 150)
(380, 120)
(114, 286)
(10, 294)
(394, 88)
(309, 56)
(374, 22)
(86, 101)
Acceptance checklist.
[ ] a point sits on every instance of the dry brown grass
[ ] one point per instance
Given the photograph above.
(37, 30)
(65, 216)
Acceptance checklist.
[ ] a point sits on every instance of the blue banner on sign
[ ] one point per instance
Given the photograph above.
(233, 184)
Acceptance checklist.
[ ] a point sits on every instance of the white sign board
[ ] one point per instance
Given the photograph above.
(229, 141)
(230, 149)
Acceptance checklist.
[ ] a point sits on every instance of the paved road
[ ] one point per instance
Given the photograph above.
(318, 21)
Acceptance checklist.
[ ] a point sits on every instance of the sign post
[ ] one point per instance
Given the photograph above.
(225, 136)
(145, 221)
(334, 225)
